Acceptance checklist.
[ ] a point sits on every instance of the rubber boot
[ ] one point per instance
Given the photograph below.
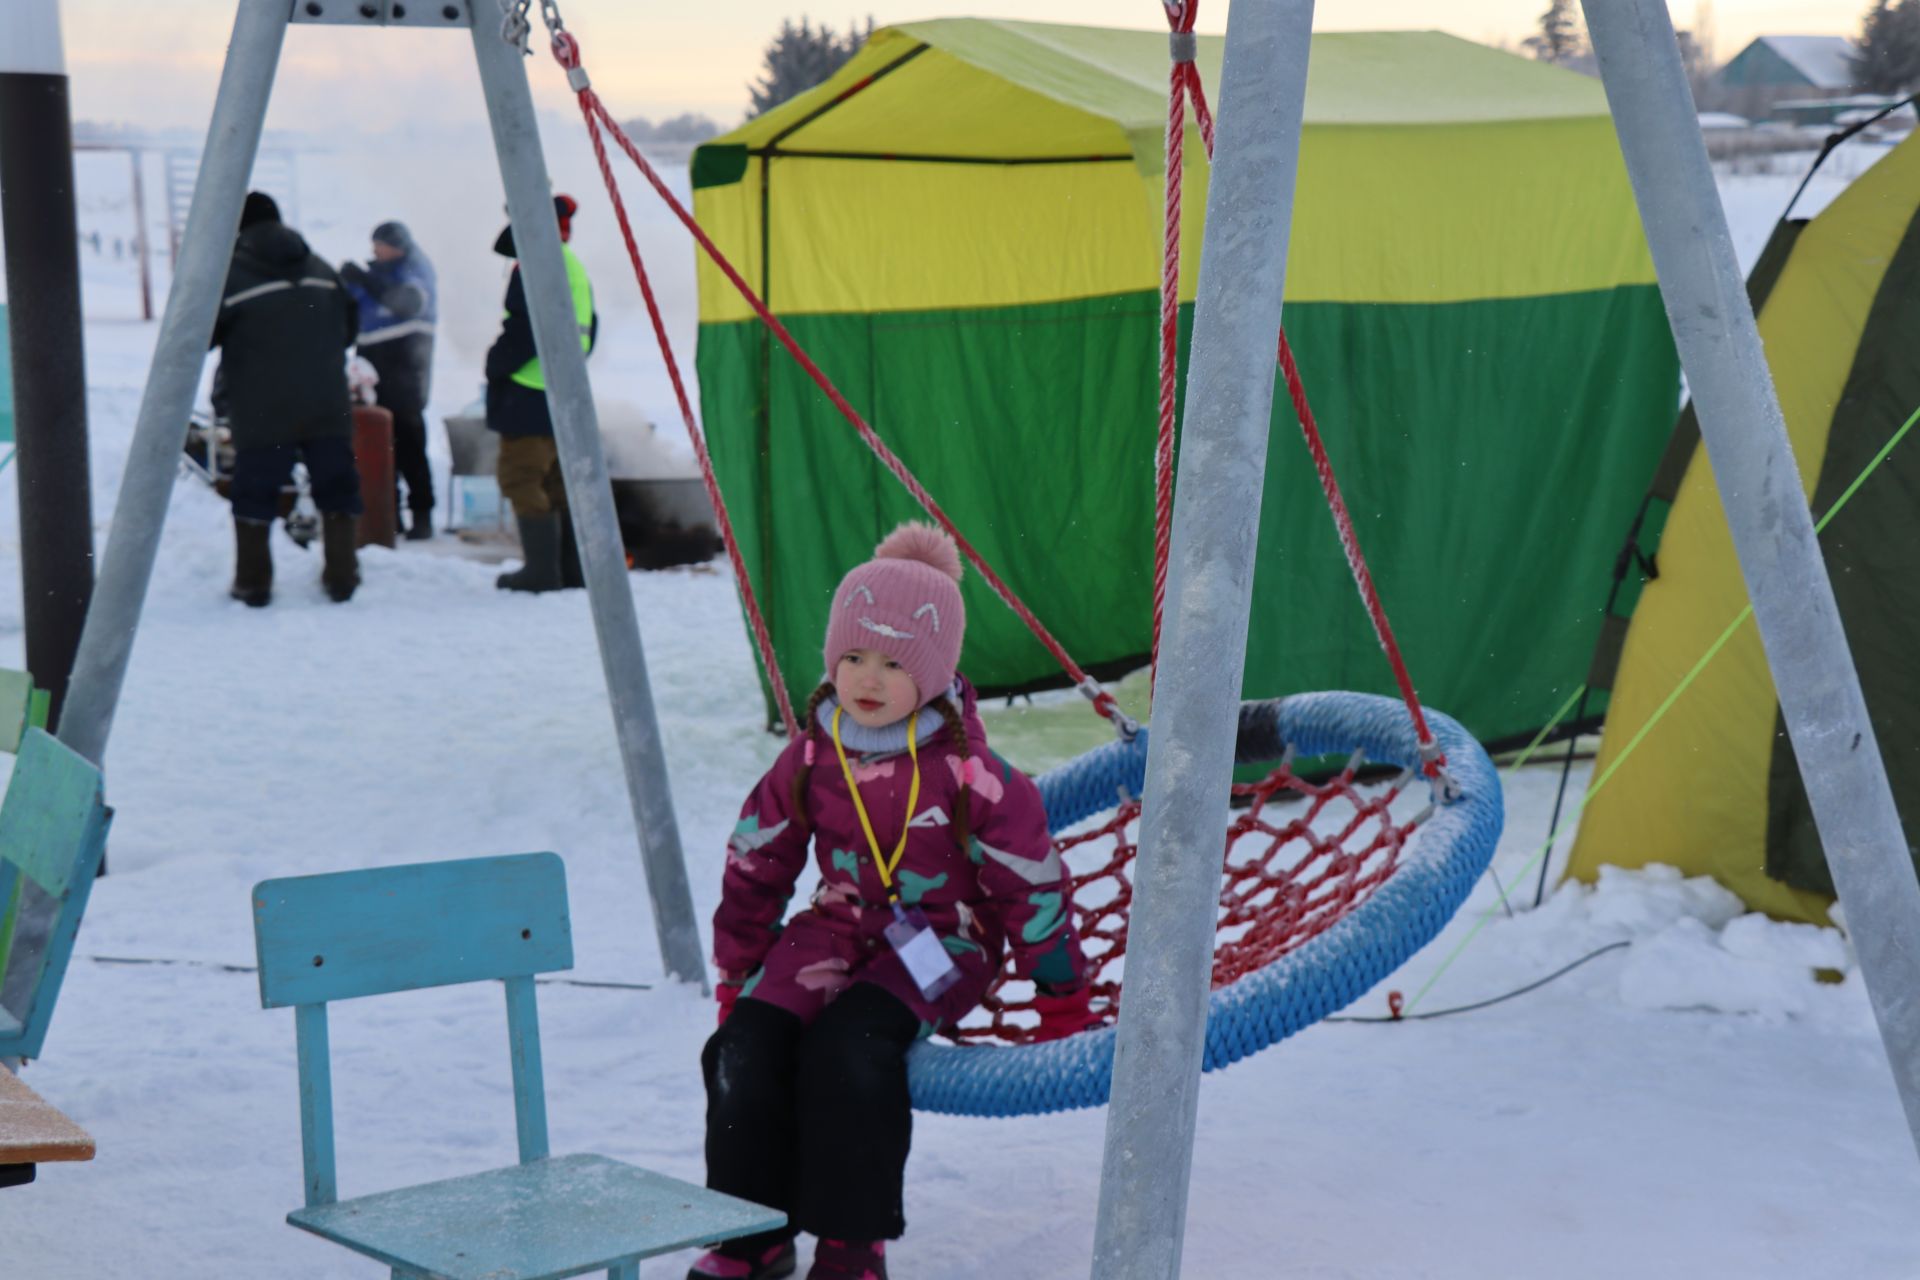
(540, 545)
(422, 527)
(252, 562)
(340, 574)
(849, 1260)
(772, 1263)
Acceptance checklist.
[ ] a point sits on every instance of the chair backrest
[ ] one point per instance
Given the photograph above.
(22, 707)
(53, 829)
(434, 924)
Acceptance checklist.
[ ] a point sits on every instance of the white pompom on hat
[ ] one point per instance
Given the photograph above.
(905, 603)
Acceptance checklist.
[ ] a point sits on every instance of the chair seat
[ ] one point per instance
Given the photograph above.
(540, 1221)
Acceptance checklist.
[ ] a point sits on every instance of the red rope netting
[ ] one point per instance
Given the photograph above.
(1291, 874)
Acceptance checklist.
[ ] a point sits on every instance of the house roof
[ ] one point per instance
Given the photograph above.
(1824, 60)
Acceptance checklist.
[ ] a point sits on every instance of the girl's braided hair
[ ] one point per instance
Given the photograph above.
(956, 734)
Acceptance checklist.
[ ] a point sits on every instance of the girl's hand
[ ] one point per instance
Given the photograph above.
(1063, 1014)
(726, 993)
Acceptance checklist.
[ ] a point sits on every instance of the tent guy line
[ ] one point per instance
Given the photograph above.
(1659, 714)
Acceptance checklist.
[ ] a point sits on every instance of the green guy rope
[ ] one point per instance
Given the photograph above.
(1659, 713)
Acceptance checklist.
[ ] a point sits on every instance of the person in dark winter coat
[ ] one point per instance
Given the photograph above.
(398, 299)
(529, 467)
(934, 868)
(284, 327)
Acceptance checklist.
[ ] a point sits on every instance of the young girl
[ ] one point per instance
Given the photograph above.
(934, 859)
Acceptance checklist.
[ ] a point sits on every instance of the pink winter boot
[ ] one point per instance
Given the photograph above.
(849, 1260)
(772, 1264)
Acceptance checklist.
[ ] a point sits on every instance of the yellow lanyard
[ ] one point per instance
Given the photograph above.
(886, 867)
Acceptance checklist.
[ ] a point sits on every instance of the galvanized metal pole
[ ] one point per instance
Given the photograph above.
(1223, 447)
(1760, 488)
(603, 561)
(49, 365)
(160, 431)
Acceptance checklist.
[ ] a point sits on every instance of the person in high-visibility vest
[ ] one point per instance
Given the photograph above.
(529, 467)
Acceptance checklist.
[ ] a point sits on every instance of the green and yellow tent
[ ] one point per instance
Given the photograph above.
(964, 227)
(1714, 788)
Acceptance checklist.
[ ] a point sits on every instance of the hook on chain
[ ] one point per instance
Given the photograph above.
(514, 26)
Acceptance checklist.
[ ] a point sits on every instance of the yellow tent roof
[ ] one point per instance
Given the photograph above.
(971, 162)
(1030, 89)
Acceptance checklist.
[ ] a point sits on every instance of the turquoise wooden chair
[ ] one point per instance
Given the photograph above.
(22, 707)
(53, 829)
(362, 933)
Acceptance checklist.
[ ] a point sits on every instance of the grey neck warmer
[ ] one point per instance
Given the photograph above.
(887, 740)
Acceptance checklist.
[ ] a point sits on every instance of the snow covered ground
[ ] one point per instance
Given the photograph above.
(1696, 1105)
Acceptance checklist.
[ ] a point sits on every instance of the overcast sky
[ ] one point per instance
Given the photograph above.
(157, 63)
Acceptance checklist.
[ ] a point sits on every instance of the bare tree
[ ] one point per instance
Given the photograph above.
(684, 127)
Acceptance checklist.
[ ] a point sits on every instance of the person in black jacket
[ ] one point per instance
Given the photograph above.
(283, 331)
(398, 299)
(529, 466)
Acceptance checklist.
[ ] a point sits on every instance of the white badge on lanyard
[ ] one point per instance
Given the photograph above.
(920, 950)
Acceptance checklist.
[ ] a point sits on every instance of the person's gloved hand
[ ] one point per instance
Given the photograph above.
(354, 274)
(726, 993)
(1062, 1014)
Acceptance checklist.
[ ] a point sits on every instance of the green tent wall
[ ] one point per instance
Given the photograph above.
(963, 228)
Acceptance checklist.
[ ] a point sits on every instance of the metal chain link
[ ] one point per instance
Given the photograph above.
(514, 25)
(550, 14)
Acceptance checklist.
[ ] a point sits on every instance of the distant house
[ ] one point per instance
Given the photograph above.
(1777, 68)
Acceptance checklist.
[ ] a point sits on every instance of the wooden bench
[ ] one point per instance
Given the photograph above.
(361, 933)
(33, 1133)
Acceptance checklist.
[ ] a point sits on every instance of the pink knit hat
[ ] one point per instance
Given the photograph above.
(905, 603)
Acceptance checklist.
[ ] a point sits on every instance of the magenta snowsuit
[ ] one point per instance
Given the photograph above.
(1007, 888)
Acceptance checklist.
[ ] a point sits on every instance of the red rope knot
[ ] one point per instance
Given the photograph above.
(1433, 763)
(1125, 725)
(566, 52)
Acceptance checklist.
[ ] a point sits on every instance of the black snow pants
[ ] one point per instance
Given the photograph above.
(813, 1120)
(410, 462)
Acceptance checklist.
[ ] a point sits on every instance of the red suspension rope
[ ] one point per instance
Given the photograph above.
(566, 51)
(1184, 83)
